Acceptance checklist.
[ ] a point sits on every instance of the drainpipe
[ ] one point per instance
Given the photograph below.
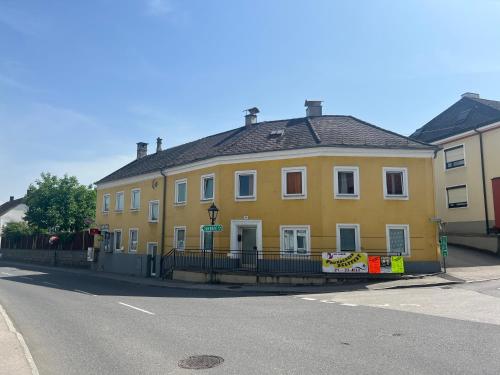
(164, 206)
(484, 181)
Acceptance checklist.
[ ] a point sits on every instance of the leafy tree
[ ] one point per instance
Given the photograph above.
(59, 204)
(16, 230)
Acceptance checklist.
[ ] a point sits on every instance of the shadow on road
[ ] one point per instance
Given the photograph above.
(87, 282)
(466, 257)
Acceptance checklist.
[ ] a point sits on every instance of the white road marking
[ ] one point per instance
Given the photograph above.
(384, 305)
(308, 299)
(8, 274)
(409, 304)
(349, 304)
(49, 283)
(136, 308)
(327, 301)
(84, 292)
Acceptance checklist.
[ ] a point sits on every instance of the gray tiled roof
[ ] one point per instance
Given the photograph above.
(9, 205)
(466, 114)
(299, 133)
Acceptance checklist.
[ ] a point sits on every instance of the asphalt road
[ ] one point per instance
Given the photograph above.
(78, 324)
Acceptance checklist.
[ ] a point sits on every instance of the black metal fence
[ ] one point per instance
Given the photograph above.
(67, 241)
(250, 262)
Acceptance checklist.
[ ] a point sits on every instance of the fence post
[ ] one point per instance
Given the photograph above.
(212, 264)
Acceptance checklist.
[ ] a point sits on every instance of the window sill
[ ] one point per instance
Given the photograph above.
(134, 209)
(105, 212)
(298, 196)
(207, 200)
(243, 199)
(397, 197)
(454, 168)
(153, 221)
(118, 211)
(347, 196)
(180, 204)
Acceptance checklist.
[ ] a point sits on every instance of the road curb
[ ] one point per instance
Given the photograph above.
(20, 338)
(236, 288)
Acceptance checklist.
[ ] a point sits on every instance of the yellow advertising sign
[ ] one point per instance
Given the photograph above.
(397, 264)
(345, 262)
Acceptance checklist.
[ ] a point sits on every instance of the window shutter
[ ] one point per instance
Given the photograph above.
(454, 154)
(294, 183)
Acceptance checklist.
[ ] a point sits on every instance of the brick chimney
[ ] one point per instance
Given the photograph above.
(472, 95)
(313, 108)
(142, 149)
(251, 116)
(158, 144)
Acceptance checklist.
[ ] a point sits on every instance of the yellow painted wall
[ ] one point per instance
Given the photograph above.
(320, 210)
(148, 232)
(470, 175)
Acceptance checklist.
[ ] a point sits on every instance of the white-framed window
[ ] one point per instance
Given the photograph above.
(135, 199)
(346, 182)
(348, 237)
(207, 188)
(398, 239)
(395, 183)
(133, 240)
(119, 201)
(454, 157)
(118, 241)
(154, 211)
(245, 185)
(181, 191)
(294, 183)
(295, 239)
(106, 201)
(205, 240)
(456, 196)
(180, 238)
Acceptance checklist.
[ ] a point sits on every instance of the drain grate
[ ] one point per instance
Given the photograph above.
(199, 362)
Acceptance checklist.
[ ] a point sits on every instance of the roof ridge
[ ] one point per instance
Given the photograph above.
(407, 138)
(485, 102)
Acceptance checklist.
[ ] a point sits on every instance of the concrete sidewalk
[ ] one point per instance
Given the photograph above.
(353, 284)
(15, 357)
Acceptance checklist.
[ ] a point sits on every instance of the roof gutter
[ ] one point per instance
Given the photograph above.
(485, 198)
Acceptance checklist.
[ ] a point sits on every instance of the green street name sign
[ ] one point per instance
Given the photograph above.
(443, 244)
(212, 228)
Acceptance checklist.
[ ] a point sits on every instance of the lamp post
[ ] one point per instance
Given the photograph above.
(213, 211)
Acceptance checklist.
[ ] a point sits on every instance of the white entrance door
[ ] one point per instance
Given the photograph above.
(153, 251)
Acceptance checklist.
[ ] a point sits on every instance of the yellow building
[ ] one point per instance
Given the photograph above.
(294, 187)
(467, 170)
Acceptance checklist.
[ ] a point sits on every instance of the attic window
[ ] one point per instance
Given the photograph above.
(462, 116)
(277, 133)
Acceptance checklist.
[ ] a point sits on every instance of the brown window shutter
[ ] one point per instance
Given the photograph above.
(294, 183)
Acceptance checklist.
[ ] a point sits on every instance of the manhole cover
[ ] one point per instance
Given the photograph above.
(199, 362)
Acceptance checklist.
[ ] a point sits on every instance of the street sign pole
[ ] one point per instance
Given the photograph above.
(443, 245)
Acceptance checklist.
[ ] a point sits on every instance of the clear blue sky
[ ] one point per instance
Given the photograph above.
(82, 81)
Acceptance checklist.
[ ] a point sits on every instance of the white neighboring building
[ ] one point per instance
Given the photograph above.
(12, 210)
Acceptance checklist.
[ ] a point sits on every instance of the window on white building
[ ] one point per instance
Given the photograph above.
(454, 157)
(457, 196)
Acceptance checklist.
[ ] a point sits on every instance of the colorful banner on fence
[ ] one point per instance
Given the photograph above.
(361, 263)
(345, 262)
